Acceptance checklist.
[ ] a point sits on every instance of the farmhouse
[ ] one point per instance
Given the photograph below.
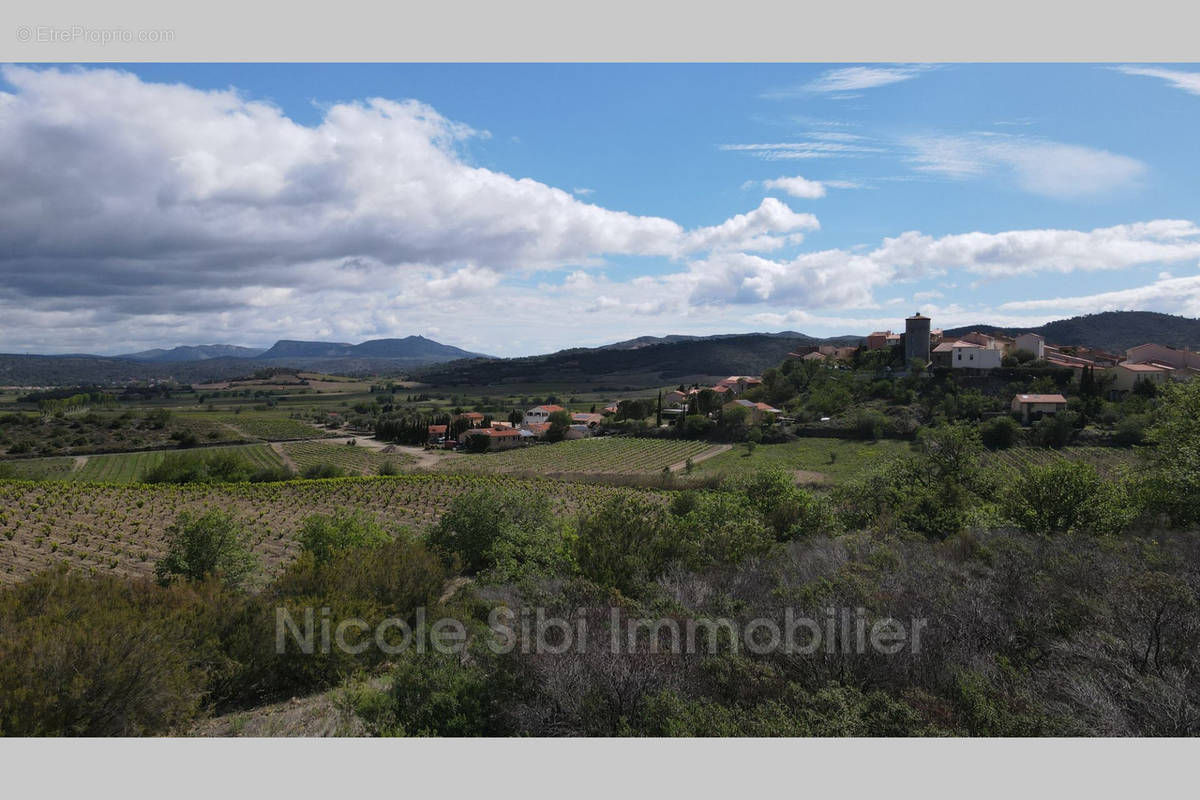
(757, 411)
(437, 434)
(539, 414)
(1034, 406)
(473, 418)
(498, 438)
(591, 420)
(675, 397)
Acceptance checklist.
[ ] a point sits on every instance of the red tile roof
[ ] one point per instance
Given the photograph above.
(550, 409)
(1041, 398)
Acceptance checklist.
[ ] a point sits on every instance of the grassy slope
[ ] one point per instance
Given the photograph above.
(811, 455)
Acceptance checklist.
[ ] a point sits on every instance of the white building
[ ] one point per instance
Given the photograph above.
(968, 355)
(540, 414)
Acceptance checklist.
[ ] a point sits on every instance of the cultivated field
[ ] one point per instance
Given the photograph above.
(603, 455)
(128, 467)
(352, 460)
(119, 528)
(1110, 462)
(266, 425)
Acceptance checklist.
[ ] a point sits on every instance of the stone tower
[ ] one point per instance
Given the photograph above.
(916, 339)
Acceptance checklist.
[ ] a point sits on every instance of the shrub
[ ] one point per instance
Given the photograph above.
(1131, 430)
(869, 424)
(623, 543)
(1054, 430)
(1063, 497)
(1000, 433)
(325, 536)
(696, 426)
(389, 468)
(198, 468)
(97, 656)
(324, 470)
(213, 544)
(482, 525)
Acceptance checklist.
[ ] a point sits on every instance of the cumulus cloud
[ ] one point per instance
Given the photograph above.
(138, 198)
(1024, 252)
(1188, 81)
(797, 186)
(1042, 167)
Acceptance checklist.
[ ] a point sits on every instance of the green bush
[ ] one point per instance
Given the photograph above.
(99, 656)
(324, 536)
(1064, 497)
(999, 433)
(624, 542)
(488, 525)
(210, 545)
(324, 470)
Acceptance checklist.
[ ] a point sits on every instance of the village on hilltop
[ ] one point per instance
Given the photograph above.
(925, 350)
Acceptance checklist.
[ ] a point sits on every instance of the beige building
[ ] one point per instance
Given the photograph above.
(1127, 375)
(1034, 406)
(1032, 343)
(1162, 355)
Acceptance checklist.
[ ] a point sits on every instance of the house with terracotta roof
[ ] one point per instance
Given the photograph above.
(675, 398)
(757, 411)
(497, 438)
(473, 418)
(539, 414)
(436, 434)
(1035, 406)
(591, 420)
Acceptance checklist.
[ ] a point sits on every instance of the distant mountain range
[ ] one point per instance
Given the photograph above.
(643, 361)
(1114, 331)
(192, 353)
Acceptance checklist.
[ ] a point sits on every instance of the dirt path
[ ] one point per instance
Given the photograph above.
(283, 454)
(702, 456)
(79, 462)
(422, 458)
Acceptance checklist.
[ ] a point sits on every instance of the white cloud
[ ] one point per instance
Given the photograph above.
(582, 192)
(1042, 167)
(797, 186)
(850, 79)
(807, 148)
(1175, 295)
(1021, 252)
(1180, 79)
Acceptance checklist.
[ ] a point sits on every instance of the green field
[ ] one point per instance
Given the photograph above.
(617, 455)
(822, 460)
(353, 460)
(129, 467)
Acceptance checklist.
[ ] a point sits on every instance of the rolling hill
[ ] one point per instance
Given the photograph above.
(686, 361)
(1115, 331)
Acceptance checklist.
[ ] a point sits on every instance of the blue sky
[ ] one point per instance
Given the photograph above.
(183, 204)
